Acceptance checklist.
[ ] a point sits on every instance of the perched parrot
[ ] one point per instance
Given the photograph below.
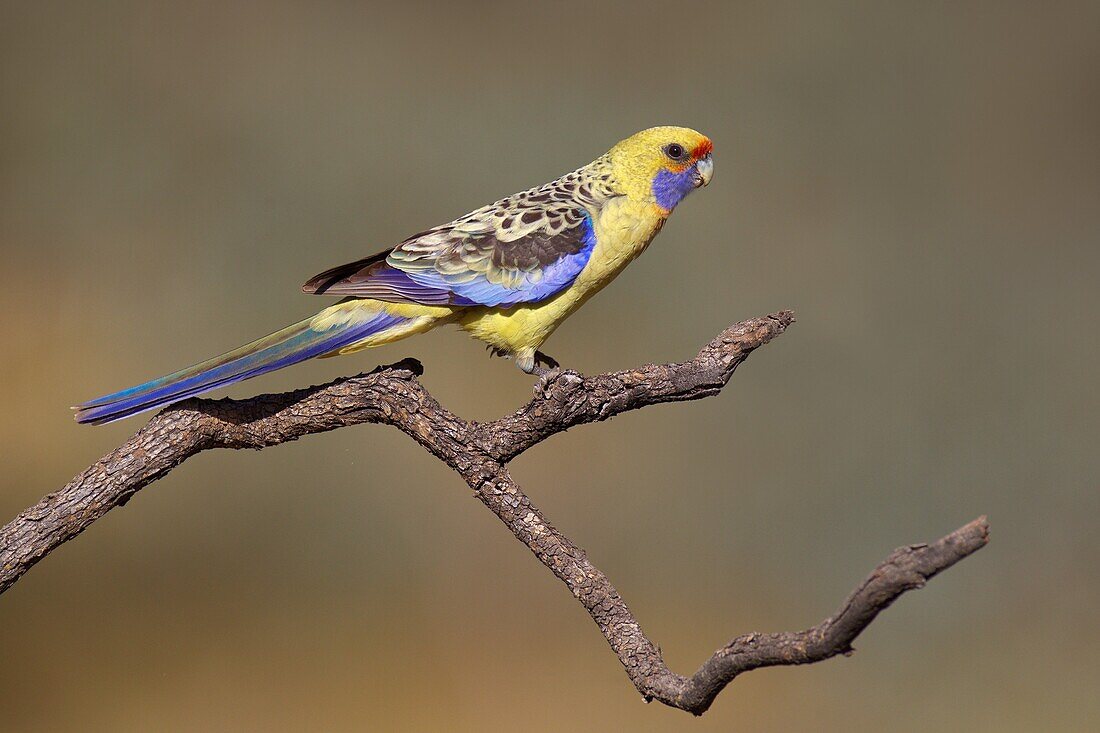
(508, 273)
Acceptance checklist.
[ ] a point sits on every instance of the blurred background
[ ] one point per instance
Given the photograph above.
(918, 181)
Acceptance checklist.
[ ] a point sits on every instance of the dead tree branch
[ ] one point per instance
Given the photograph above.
(479, 452)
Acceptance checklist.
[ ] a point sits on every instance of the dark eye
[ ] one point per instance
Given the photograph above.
(675, 151)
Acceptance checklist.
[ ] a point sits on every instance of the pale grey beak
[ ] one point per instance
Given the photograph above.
(704, 169)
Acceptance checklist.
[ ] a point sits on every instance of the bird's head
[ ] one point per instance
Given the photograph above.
(663, 165)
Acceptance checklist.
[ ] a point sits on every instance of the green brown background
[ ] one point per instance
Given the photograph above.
(918, 181)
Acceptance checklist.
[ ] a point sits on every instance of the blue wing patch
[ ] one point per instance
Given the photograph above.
(474, 261)
(524, 286)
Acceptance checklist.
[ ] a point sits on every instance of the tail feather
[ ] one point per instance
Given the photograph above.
(290, 345)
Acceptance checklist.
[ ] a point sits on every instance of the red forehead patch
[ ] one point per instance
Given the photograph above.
(703, 149)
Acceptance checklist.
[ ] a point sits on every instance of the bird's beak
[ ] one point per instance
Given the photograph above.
(704, 169)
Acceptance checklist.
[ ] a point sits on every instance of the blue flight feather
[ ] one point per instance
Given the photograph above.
(289, 346)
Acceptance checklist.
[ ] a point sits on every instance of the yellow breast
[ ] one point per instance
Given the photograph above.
(624, 228)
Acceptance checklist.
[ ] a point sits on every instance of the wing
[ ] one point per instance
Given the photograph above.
(520, 250)
(373, 277)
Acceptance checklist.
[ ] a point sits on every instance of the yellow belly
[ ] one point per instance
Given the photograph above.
(623, 230)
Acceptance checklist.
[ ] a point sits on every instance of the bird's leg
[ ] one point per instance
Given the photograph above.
(526, 362)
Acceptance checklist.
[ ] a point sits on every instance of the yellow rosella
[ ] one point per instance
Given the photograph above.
(508, 273)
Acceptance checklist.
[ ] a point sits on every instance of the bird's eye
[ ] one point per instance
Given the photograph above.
(675, 151)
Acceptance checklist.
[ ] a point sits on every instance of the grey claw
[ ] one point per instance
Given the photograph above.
(546, 376)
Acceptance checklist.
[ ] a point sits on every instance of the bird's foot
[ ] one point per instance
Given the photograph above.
(548, 372)
(546, 368)
(546, 375)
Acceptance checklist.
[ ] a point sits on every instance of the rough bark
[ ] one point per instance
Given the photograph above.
(479, 453)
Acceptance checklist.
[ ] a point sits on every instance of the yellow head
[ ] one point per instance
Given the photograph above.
(662, 164)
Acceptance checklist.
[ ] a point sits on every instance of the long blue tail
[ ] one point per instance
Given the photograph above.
(289, 346)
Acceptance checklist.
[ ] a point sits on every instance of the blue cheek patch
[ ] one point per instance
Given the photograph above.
(670, 188)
